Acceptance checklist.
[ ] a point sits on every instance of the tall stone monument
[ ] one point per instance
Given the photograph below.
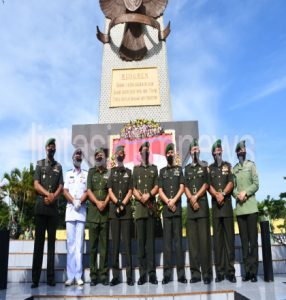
(134, 79)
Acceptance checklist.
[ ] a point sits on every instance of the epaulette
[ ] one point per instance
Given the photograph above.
(250, 161)
(203, 163)
(41, 162)
(57, 164)
(236, 165)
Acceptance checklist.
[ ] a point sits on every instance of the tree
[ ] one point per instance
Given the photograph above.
(4, 211)
(277, 210)
(20, 189)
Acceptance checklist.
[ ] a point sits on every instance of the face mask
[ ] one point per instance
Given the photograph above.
(77, 163)
(145, 157)
(99, 161)
(196, 156)
(120, 158)
(241, 157)
(218, 159)
(170, 159)
(51, 153)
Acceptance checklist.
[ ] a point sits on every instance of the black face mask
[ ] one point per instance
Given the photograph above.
(241, 157)
(51, 153)
(145, 157)
(100, 161)
(120, 158)
(170, 159)
(218, 159)
(196, 156)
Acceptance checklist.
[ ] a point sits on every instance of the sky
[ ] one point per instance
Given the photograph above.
(226, 61)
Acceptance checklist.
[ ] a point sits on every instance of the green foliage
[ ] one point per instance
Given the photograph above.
(4, 215)
(20, 190)
(276, 207)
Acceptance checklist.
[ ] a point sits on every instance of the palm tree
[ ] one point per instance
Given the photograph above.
(20, 190)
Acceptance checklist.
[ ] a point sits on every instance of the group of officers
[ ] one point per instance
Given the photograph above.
(109, 193)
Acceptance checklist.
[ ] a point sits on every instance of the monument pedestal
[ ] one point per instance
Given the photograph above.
(90, 137)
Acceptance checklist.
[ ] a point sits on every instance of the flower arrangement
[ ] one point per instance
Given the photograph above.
(178, 160)
(111, 163)
(140, 129)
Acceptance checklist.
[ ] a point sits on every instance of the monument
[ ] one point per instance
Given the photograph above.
(134, 83)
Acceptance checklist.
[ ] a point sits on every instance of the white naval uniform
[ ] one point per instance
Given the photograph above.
(76, 184)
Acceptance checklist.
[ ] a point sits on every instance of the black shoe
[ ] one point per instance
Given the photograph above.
(207, 280)
(166, 280)
(130, 281)
(93, 282)
(141, 280)
(219, 278)
(195, 280)
(105, 282)
(153, 279)
(247, 277)
(51, 283)
(114, 281)
(231, 278)
(253, 278)
(182, 279)
(34, 285)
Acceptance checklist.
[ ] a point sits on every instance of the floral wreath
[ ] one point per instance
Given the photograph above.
(140, 129)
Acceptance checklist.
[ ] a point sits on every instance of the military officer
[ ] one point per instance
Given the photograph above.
(246, 184)
(97, 218)
(198, 225)
(75, 192)
(171, 187)
(145, 182)
(48, 183)
(221, 186)
(120, 185)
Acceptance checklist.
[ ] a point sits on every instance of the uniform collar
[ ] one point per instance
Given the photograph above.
(77, 171)
(222, 163)
(121, 168)
(50, 162)
(170, 167)
(144, 166)
(100, 169)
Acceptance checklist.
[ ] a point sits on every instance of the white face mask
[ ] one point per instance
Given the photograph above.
(77, 163)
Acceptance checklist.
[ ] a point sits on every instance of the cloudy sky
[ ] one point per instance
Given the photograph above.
(227, 69)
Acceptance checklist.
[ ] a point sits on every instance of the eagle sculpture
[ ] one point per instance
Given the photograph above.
(135, 14)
